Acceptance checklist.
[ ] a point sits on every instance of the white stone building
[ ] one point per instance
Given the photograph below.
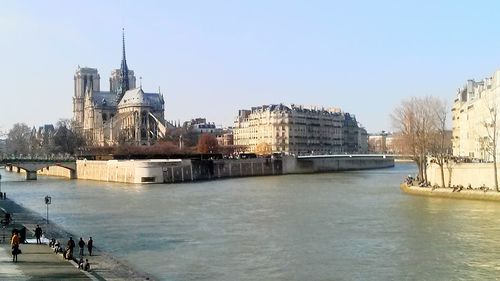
(297, 130)
(473, 118)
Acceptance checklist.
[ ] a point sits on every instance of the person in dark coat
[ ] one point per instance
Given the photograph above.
(70, 246)
(90, 245)
(14, 242)
(38, 234)
(81, 244)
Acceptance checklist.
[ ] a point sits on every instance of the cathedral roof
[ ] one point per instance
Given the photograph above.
(104, 99)
(134, 96)
(137, 97)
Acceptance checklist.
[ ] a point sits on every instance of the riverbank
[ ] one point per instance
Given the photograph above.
(470, 194)
(189, 170)
(104, 266)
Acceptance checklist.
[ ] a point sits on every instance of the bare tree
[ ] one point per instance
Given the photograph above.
(489, 143)
(440, 137)
(18, 139)
(208, 144)
(66, 138)
(404, 120)
(416, 121)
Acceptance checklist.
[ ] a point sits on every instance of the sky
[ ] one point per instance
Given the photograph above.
(212, 58)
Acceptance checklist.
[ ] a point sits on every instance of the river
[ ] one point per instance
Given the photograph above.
(333, 226)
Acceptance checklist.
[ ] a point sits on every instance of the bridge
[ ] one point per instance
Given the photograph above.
(31, 166)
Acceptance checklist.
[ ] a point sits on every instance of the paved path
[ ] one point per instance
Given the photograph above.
(37, 262)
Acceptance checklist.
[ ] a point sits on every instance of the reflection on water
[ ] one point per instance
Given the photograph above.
(337, 226)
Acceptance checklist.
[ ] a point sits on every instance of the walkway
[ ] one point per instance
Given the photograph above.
(37, 262)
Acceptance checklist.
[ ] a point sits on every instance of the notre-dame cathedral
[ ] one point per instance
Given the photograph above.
(123, 115)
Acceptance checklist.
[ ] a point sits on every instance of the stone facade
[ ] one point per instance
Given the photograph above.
(297, 130)
(124, 114)
(474, 174)
(473, 118)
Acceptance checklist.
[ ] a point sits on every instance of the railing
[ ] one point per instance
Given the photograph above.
(52, 160)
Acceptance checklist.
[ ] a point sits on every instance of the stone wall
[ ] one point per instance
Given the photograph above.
(489, 195)
(186, 170)
(222, 168)
(171, 171)
(128, 171)
(293, 165)
(475, 174)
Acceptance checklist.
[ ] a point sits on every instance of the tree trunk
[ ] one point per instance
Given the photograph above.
(424, 164)
(495, 172)
(442, 174)
(420, 170)
(450, 172)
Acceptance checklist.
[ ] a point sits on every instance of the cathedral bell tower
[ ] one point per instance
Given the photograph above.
(85, 78)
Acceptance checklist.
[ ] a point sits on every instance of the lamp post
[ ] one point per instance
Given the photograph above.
(48, 200)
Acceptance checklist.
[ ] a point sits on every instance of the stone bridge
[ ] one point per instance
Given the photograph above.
(31, 166)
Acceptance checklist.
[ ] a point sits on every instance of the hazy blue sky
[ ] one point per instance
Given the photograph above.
(212, 58)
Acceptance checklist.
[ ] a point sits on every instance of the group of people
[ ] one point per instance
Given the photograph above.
(56, 246)
(85, 265)
(68, 254)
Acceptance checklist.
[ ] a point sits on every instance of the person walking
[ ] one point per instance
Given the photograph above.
(38, 234)
(70, 246)
(81, 244)
(14, 242)
(90, 245)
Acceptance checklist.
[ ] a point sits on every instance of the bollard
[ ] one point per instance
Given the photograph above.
(4, 196)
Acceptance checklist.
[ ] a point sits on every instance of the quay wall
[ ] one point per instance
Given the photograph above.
(222, 168)
(126, 171)
(293, 165)
(175, 170)
(186, 170)
(475, 174)
(489, 195)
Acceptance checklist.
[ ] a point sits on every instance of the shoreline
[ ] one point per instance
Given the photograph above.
(104, 265)
(490, 195)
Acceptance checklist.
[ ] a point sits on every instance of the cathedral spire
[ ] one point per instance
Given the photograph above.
(124, 81)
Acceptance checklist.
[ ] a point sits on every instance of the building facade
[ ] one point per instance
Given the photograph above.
(124, 114)
(475, 115)
(296, 130)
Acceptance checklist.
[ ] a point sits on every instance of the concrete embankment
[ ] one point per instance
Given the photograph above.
(489, 195)
(104, 266)
(187, 170)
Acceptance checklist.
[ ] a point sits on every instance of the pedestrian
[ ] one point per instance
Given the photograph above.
(90, 245)
(81, 244)
(86, 265)
(14, 242)
(38, 234)
(70, 246)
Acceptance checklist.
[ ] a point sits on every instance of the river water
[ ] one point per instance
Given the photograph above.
(333, 226)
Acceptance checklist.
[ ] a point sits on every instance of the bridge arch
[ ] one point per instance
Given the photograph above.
(31, 167)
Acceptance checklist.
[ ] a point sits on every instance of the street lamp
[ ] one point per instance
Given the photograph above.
(48, 200)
